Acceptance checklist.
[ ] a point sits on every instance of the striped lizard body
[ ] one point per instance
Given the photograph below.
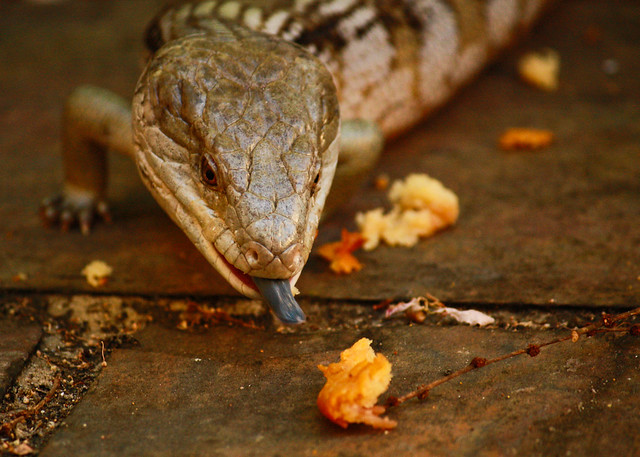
(235, 121)
(393, 61)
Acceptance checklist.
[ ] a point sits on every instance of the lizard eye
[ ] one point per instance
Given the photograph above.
(314, 184)
(208, 172)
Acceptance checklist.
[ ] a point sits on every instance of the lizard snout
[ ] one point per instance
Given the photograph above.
(265, 263)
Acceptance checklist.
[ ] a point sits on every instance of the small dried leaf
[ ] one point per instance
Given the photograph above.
(23, 449)
(469, 316)
(339, 253)
(414, 303)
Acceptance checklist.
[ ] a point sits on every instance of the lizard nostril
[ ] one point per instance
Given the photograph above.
(257, 255)
(252, 256)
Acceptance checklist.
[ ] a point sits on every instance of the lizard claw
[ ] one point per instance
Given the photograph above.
(67, 218)
(102, 208)
(69, 209)
(85, 219)
(49, 210)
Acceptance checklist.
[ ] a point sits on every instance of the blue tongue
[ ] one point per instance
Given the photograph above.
(277, 293)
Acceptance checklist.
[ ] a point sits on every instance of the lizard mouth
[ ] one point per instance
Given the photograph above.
(276, 292)
(241, 281)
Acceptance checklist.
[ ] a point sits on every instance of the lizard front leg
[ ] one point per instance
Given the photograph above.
(94, 120)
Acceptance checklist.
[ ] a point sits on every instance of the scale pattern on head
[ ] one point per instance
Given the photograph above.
(235, 135)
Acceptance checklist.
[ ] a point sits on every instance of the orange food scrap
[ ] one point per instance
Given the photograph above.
(339, 253)
(19, 277)
(421, 207)
(354, 385)
(520, 138)
(97, 273)
(540, 69)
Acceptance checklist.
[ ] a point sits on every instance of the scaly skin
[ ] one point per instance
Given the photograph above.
(235, 118)
(267, 124)
(393, 61)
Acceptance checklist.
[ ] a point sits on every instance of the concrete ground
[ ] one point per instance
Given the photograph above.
(546, 241)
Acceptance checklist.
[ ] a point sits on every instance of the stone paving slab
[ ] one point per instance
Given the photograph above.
(17, 343)
(560, 226)
(239, 392)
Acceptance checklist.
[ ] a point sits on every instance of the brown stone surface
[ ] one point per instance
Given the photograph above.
(17, 343)
(559, 225)
(237, 392)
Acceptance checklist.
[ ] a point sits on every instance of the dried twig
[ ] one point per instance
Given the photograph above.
(608, 323)
(197, 315)
(104, 360)
(23, 414)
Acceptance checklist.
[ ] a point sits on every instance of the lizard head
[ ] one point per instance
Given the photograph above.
(236, 138)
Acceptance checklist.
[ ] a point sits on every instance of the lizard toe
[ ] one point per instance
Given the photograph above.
(85, 219)
(50, 210)
(67, 219)
(102, 208)
(69, 211)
